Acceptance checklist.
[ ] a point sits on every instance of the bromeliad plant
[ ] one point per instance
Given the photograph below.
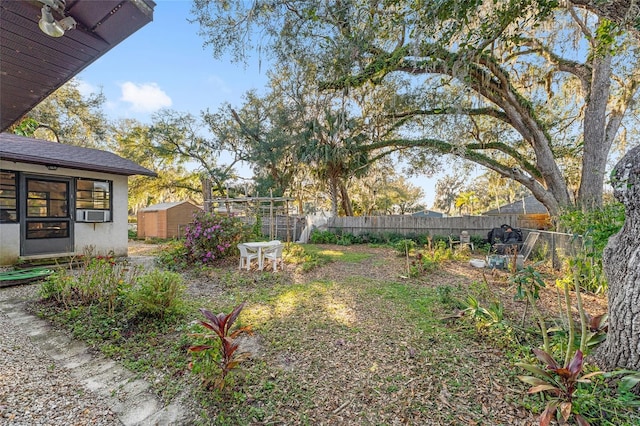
(559, 382)
(215, 360)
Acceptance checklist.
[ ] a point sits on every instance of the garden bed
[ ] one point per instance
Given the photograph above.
(352, 341)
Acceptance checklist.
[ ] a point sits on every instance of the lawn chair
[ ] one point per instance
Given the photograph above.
(465, 240)
(527, 246)
(247, 254)
(274, 254)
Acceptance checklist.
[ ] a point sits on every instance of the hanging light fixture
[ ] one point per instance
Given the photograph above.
(49, 25)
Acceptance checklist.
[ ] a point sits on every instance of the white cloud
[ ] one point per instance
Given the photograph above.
(85, 88)
(146, 97)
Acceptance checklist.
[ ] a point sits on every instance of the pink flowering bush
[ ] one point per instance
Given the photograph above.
(211, 237)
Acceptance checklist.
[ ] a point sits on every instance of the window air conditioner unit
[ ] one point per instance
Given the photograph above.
(92, 215)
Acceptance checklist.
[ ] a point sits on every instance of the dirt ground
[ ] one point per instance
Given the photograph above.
(386, 372)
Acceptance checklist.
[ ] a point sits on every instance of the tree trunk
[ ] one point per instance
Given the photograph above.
(596, 143)
(346, 201)
(622, 266)
(623, 12)
(333, 193)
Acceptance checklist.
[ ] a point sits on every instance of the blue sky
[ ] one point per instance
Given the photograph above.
(164, 65)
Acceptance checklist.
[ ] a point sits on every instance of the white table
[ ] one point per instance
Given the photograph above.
(260, 245)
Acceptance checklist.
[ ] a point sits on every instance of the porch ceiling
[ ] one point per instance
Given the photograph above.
(33, 64)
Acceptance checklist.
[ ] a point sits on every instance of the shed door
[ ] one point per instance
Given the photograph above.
(46, 219)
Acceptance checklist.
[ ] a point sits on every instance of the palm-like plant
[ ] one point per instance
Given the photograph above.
(228, 357)
(558, 381)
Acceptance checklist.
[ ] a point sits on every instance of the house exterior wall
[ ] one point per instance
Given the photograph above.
(9, 243)
(107, 237)
(111, 236)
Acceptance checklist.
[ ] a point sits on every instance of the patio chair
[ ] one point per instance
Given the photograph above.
(465, 240)
(527, 246)
(273, 254)
(247, 254)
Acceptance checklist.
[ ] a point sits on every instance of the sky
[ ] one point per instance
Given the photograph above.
(164, 65)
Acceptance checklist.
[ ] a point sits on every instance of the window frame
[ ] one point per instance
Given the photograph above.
(93, 199)
(16, 190)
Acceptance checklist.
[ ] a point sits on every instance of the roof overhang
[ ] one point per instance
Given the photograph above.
(34, 65)
(20, 149)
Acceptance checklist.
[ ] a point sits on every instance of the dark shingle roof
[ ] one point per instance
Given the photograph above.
(527, 205)
(34, 151)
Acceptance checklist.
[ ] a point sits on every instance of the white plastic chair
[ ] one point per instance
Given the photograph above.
(247, 254)
(274, 254)
(465, 240)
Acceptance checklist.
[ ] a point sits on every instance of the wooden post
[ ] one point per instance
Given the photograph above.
(206, 194)
(271, 233)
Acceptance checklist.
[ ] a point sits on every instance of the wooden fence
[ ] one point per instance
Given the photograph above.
(410, 225)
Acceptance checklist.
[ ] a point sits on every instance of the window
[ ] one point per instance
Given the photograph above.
(93, 194)
(40, 230)
(47, 198)
(8, 197)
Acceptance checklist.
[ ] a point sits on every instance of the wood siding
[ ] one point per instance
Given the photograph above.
(166, 223)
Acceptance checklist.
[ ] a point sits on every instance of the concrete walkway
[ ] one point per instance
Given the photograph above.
(130, 399)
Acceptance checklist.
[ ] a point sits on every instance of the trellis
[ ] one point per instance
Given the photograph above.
(270, 204)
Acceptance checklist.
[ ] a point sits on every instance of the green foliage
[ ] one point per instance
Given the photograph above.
(528, 281)
(173, 256)
(307, 259)
(322, 237)
(596, 225)
(485, 317)
(218, 355)
(211, 236)
(158, 293)
(561, 383)
(405, 247)
(630, 379)
(97, 280)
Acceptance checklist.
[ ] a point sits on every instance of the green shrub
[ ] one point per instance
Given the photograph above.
(323, 237)
(595, 226)
(174, 256)
(97, 280)
(158, 293)
(212, 236)
(405, 247)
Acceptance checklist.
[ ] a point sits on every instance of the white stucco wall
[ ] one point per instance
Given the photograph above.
(104, 237)
(107, 236)
(9, 243)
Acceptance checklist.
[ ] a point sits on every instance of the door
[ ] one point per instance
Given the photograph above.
(46, 223)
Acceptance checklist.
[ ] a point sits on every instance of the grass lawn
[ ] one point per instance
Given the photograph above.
(352, 340)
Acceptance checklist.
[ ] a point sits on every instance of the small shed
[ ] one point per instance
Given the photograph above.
(531, 213)
(165, 220)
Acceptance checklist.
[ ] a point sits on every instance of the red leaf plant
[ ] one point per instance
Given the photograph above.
(559, 382)
(222, 352)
